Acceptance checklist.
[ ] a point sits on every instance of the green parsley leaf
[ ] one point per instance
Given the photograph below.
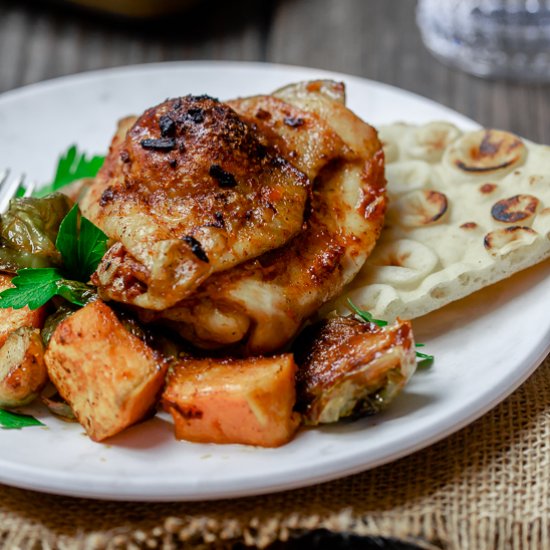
(35, 287)
(67, 241)
(425, 363)
(425, 359)
(80, 243)
(72, 166)
(366, 315)
(81, 249)
(16, 421)
(92, 246)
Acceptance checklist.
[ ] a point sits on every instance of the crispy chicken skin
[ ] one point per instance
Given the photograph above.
(262, 303)
(189, 191)
(237, 221)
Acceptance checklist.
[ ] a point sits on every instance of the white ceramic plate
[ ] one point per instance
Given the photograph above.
(485, 345)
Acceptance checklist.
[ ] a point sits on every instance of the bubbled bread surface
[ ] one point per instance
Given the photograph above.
(465, 211)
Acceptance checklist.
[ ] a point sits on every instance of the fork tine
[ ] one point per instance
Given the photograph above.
(29, 188)
(8, 189)
(3, 177)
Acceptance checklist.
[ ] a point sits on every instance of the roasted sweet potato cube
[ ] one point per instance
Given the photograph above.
(246, 401)
(110, 378)
(12, 319)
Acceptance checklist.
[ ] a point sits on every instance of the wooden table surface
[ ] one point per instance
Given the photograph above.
(377, 39)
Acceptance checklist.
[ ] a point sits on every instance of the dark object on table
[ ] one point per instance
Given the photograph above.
(323, 539)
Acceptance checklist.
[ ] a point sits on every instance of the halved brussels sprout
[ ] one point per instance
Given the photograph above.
(61, 313)
(58, 406)
(22, 368)
(29, 230)
(349, 368)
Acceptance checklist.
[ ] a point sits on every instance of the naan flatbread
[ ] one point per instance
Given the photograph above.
(466, 210)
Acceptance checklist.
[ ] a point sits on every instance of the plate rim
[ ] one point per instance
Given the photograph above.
(92, 74)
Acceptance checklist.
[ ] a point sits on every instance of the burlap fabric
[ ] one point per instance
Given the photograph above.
(488, 486)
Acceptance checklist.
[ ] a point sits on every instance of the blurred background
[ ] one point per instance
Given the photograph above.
(376, 39)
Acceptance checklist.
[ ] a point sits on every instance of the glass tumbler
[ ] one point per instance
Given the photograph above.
(489, 38)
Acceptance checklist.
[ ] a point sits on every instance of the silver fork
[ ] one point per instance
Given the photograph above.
(9, 188)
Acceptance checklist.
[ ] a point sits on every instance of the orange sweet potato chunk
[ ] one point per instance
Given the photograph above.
(248, 401)
(12, 319)
(109, 377)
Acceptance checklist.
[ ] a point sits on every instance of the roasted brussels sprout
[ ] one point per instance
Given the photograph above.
(58, 406)
(61, 313)
(349, 368)
(22, 368)
(28, 232)
(12, 260)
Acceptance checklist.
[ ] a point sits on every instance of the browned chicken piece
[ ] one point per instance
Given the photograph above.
(349, 368)
(248, 401)
(12, 319)
(303, 137)
(109, 377)
(234, 223)
(262, 303)
(22, 369)
(188, 191)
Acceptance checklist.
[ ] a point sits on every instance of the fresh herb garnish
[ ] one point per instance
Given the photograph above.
(425, 359)
(34, 287)
(81, 251)
(366, 315)
(72, 166)
(16, 421)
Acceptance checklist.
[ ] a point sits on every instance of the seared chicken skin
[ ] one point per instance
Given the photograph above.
(189, 191)
(262, 303)
(310, 170)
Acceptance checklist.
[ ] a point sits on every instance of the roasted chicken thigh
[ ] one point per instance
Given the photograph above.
(190, 190)
(233, 223)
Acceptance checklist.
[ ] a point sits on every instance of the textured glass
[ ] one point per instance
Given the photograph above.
(493, 38)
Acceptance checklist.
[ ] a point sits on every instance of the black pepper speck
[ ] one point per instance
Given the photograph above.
(162, 144)
(196, 248)
(167, 126)
(196, 114)
(224, 179)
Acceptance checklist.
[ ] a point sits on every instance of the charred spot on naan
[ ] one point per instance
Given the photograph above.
(486, 151)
